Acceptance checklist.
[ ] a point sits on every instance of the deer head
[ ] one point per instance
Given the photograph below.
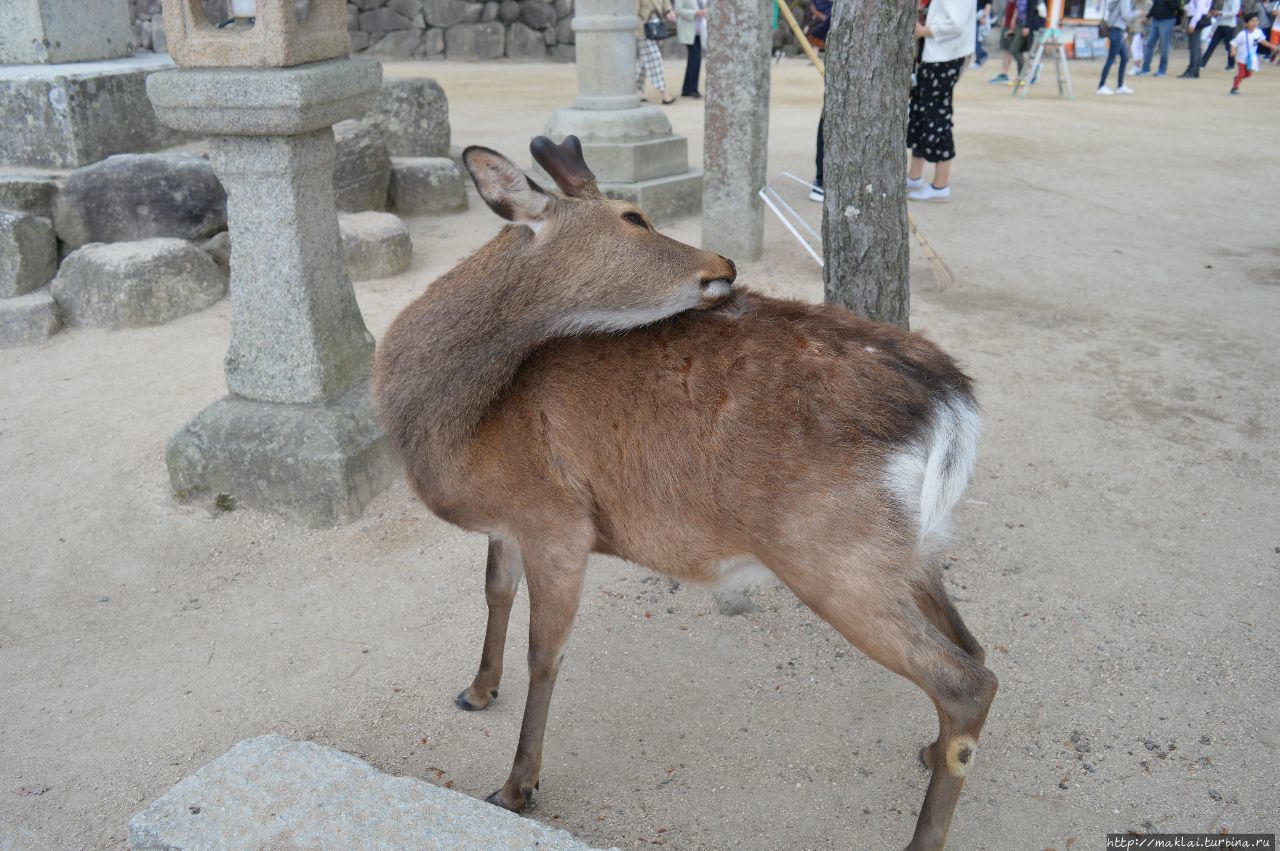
(588, 262)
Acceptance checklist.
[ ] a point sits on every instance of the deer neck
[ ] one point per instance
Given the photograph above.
(472, 331)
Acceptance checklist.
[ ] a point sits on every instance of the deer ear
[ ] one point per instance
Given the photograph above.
(505, 188)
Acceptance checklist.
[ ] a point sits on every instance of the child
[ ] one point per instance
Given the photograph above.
(1244, 50)
(1136, 47)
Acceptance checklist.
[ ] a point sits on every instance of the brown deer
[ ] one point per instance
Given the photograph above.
(584, 384)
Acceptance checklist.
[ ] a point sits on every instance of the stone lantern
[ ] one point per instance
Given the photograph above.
(297, 433)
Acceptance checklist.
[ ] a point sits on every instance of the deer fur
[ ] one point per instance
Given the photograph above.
(584, 384)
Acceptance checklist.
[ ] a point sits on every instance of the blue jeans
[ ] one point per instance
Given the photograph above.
(1161, 31)
(1119, 50)
(979, 49)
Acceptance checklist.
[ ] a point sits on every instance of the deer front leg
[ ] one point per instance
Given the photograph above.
(501, 580)
(555, 585)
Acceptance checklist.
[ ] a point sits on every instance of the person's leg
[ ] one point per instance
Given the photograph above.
(1208, 51)
(1231, 33)
(1148, 48)
(1019, 48)
(942, 174)
(1193, 50)
(1166, 40)
(640, 66)
(692, 68)
(818, 160)
(1113, 53)
(948, 76)
(1124, 56)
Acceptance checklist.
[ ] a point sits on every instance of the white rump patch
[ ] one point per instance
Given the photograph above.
(741, 573)
(929, 476)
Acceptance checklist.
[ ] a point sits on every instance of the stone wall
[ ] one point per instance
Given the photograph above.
(531, 30)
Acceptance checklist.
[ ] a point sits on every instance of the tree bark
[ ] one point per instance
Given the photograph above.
(870, 53)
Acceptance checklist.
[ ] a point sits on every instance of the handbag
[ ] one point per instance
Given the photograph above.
(655, 29)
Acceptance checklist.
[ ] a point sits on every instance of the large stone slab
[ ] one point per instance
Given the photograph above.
(139, 196)
(413, 117)
(265, 101)
(64, 116)
(318, 464)
(28, 253)
(28, 193)
(376, 245)
(475, 41)
(27, 320)
(426, 185)
(135, 284)
(363, 168)
(270, 792)
(47, 31)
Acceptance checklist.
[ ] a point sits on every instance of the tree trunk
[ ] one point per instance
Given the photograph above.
(870, 53)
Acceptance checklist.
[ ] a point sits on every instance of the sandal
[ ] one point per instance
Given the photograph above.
(668, 101)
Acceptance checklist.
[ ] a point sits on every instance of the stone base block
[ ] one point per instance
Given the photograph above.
(28, 320)
(426, 185)
(664, 198)
(28, 193)
(65, 116)
(413, 117)
(623, 145)
(28, 253)
(270, 792)
(317, 464)
(136, 284)
(376, 245)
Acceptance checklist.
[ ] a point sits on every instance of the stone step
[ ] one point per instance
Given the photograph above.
(272, 792)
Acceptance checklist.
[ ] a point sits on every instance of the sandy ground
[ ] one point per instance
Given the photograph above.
(1117, 301)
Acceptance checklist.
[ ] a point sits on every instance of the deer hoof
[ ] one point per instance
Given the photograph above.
(464, 702)
(526, 798)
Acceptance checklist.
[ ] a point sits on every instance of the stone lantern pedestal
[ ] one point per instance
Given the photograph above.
(629, 145)
(297, 435)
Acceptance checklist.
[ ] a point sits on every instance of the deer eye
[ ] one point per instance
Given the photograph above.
(635, 219)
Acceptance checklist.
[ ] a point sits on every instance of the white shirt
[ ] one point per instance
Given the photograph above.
(1230, 11)
(952, 23)
(1197, 9)
(1246, 45)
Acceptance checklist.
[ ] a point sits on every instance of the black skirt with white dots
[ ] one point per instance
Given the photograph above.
(929, 119)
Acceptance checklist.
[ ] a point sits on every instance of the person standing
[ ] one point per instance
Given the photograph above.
(1118, 15)
(947, 32)
(819, 17)
(1223, 33)
(982, 29)
(1244, 47)
(691, 31)
(650, 54)
(1198, 20)
(1164, 13)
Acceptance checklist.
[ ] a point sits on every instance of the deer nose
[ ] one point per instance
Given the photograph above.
(722, 272)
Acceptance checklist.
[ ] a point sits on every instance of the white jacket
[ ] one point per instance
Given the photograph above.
(952, 23)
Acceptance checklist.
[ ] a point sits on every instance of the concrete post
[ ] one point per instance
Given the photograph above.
(629, 145)
(735, 149)
(298, 434)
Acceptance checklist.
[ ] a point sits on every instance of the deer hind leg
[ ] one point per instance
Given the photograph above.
(933, 602)
(502, 573)
(555, 586)
(894, 631)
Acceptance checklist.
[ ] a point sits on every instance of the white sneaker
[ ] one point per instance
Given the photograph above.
(929, 192)
(817, 193)
(1124, 90)
(1104, 90)
(914, 183)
